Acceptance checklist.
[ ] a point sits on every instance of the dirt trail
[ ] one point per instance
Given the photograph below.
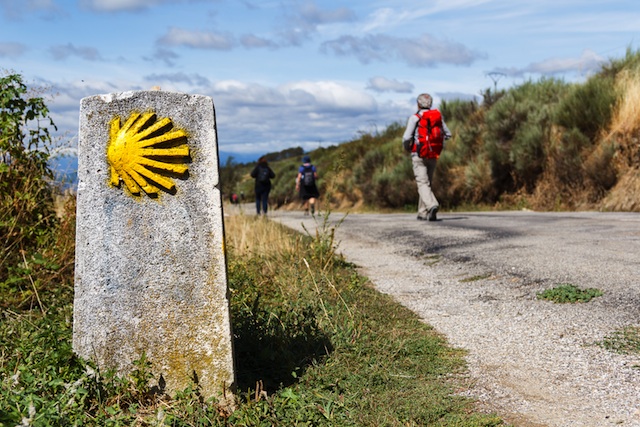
(475, 277)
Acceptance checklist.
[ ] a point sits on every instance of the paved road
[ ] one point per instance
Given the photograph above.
(475, 276)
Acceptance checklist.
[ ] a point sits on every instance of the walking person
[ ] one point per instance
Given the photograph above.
(263, 175)
(424, 155)
(306, 185)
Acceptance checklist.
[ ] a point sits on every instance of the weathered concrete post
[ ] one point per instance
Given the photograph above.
(150, 264)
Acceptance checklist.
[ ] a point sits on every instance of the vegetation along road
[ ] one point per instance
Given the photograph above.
(490, 282)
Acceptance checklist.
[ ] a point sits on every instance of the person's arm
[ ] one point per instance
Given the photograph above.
(298, 178)
(254, 172)
(409, 132)
(447, 132)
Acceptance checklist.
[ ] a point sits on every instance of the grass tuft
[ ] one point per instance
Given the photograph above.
(568, 293)
(624, 341)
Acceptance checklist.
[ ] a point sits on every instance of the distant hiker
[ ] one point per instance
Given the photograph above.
(263, 175)
(234, 199)
(424, 138)
(306, 185)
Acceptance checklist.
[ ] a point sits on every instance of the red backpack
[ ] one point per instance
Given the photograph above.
(430, 134)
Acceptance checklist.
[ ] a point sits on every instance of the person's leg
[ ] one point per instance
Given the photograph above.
(257, 202)
(312, 205)
(265, 202)
(423, 171)
(435, 206)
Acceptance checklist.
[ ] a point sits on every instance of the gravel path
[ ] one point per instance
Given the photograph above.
(474, 277)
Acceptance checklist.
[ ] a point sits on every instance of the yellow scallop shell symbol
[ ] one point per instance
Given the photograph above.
(146, 153)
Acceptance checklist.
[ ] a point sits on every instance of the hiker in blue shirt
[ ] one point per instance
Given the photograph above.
(263, 175)
(306, 185)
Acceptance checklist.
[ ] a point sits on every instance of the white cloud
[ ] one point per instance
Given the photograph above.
(424, 51)
(303, 20)
(122, 5)
(252, 41)
(194, 80)
(167, 56)
(312, 14)
(16, 9)
(62, 52)
(589, 62)
(197, 39)
(382, 84)
(405, 15)
(11, 50)
(331, 96)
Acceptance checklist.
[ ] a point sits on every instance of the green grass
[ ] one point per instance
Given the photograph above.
(315, 345)
(568, 293)
(624, 341)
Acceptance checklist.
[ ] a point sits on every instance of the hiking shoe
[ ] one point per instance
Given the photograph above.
(421, 218)
(432, 213)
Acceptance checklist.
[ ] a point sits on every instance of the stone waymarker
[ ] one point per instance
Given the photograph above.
(150, 265)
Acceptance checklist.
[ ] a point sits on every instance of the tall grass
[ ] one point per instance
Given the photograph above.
(315, 344)
(364, 360)
(626, 118)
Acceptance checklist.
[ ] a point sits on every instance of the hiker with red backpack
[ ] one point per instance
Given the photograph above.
(424, 137)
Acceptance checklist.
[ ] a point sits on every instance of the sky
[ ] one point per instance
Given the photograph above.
(308, 73)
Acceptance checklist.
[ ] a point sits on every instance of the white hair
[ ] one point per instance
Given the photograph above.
(425, 101)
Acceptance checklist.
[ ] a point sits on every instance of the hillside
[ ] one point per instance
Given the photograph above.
(542, 145)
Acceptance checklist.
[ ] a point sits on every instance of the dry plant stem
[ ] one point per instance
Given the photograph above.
(35, 291)
(315, 284)
(340, 296)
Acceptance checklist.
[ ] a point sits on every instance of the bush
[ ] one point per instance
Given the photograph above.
(600, 170)
(26, 203)
(588, 107)
(518, 129)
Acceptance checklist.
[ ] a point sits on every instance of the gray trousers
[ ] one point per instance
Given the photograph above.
(423, 170)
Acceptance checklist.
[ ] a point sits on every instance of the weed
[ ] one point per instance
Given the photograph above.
(624, 341)
(476, 278)
(568, 293)
(432, 260)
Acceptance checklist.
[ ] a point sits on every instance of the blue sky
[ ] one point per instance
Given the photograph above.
(313, 73)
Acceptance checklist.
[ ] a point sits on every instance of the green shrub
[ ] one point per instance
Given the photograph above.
(478, 181)
(458, 111)
(518, 128)
(630, 62)
(588, 107)
(26, 204)
(565, 157)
